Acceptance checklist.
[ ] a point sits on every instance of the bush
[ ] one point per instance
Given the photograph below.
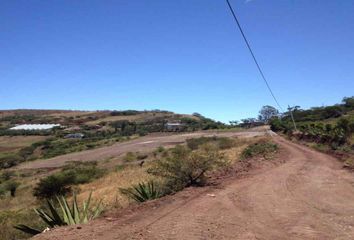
(220, 142)
(129, 157)
(261, 148)
(11, 186)
(10, 161)
(141, 156)
(184, 167)
(52, 185)
(82, 172)
(72, 174)
(160, 149)
(6, 175)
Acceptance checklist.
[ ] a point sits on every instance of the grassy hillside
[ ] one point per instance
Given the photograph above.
(100, 128)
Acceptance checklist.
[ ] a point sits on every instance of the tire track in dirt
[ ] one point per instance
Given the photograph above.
(309, 196)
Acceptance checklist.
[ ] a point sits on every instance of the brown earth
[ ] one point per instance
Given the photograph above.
(146, 143)
(310, 196)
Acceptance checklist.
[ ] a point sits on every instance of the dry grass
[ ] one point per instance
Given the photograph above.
(15, 143)
(106, 188)
(71, 113)
(137, 117)
(233, 154)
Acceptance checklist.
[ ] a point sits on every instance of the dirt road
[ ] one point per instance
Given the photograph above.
(146, 143)
(309, 196)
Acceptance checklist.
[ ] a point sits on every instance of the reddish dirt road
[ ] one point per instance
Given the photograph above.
(147, 143)
(309, 196)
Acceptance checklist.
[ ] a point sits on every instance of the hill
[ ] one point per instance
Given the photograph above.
(83, 130)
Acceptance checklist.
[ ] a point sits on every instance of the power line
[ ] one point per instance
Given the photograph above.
(253, 56)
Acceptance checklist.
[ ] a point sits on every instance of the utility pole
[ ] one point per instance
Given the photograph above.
(292, 117)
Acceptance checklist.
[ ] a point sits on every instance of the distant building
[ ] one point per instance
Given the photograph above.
(35, 127)
(75, 135)
(174, 127)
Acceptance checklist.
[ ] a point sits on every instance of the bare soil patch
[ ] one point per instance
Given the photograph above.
(309, 196)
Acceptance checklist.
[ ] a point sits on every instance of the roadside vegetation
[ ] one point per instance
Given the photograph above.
(61, 183)
(64, 214)
(265, 149)
(329, 129)
(116, 182)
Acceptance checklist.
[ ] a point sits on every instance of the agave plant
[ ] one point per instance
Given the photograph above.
(64, 215)
(142, 192)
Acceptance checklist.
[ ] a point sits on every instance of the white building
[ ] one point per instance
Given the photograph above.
(35, 127)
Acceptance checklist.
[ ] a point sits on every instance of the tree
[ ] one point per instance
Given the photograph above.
(267, 112)
(233, 123)
(348, 102)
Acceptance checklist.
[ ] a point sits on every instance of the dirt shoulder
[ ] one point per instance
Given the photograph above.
(309, 196)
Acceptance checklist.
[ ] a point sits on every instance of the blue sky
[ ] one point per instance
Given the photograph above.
(185, 56)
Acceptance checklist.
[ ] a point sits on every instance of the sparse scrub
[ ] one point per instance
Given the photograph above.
(160, 149)
(9, 160)
(10, 218)
(60, 183)
(11, 186)
(6, 175)
(142, 156)
(220, 142)
(184, 167)
(129, 157)
(262, 148)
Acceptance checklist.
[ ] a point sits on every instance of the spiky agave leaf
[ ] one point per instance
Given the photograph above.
(27, 229)
(70, 216)
(85, 210)
(98, 210)
(45, 217)
(75, 211)
(142, 191)
(55, 215)
(66, 211)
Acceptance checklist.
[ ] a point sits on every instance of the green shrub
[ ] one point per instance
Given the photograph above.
(160, 149)
(221, 142)
(72, 174)
(26, 152)
(261, 148)
(129, 157)
(11, 186)
(141, 156)
(6, 175)
(10, 160)
(184, 167)
(142, 192)
(52, 185)
(83, 172)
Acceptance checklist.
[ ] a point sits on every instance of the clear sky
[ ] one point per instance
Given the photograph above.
(184, 55)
